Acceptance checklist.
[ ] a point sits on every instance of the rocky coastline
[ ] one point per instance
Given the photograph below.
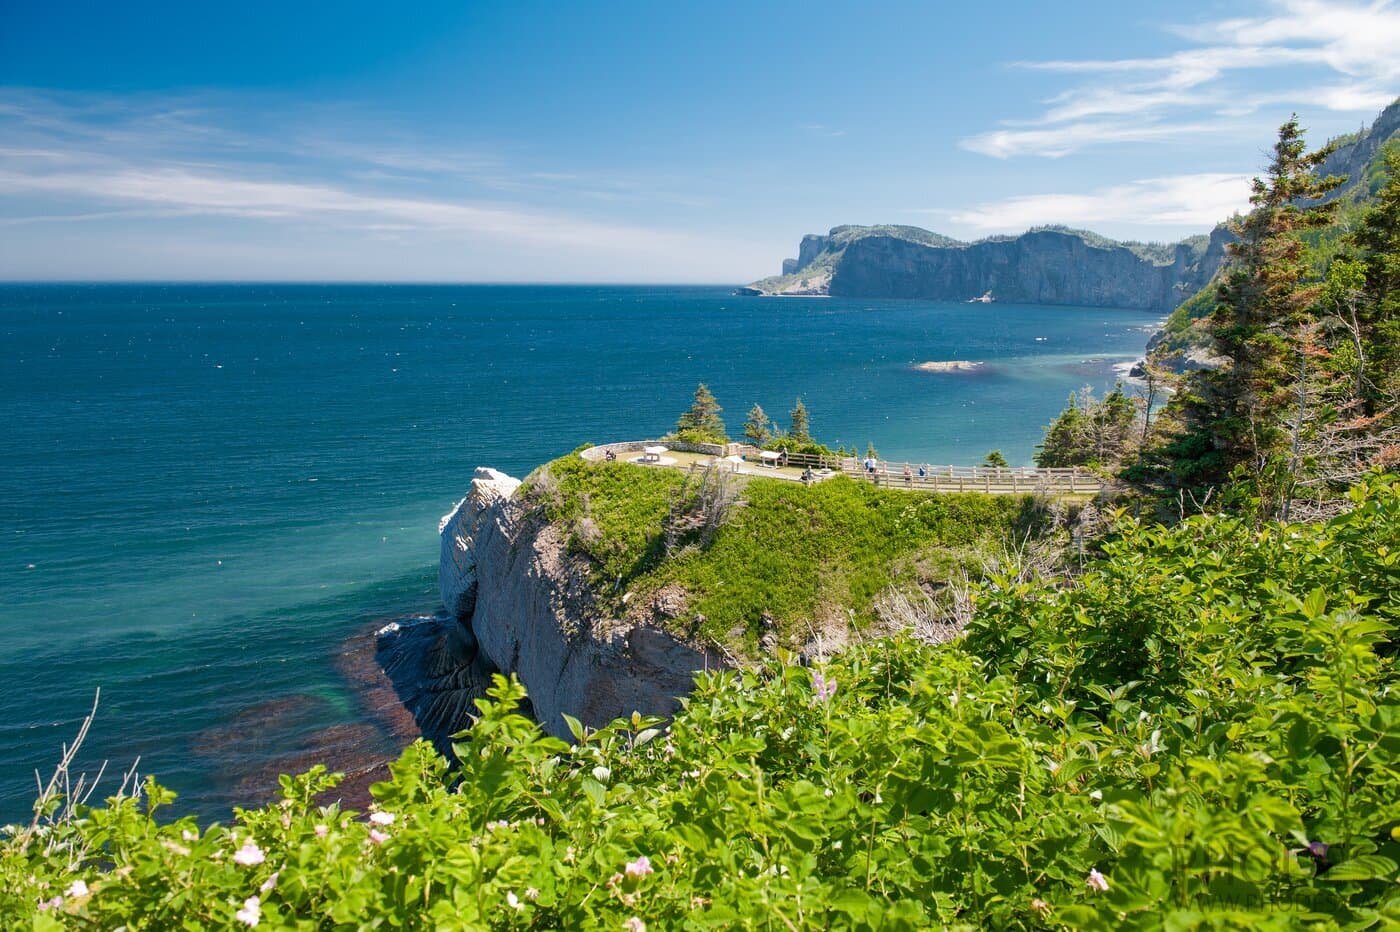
(517, 601)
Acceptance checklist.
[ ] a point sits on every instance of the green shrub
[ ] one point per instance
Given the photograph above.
(1204, 733)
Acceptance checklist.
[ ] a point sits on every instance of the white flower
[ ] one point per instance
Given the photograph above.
(514, 901)
(77, 888)
(531, 893)
(1096, 794)
(188, 835)
(249, 855)
(250, 913)
(382, 818)
(1097, 882)
(633, 924)
(269, 883)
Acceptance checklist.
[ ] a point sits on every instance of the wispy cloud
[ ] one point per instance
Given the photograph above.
(74, 159)
(1193, 201)
(1346, 50)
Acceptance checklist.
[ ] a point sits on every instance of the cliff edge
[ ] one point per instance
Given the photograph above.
(507, 577)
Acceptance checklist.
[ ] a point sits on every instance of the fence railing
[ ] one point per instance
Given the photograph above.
(946, 478)
(887, 474)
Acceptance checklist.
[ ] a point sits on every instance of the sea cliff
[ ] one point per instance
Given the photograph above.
(510, 583)
(1054, 266)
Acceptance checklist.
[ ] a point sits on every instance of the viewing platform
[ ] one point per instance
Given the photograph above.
(744, 459)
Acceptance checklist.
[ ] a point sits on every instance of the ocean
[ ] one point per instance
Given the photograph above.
(211, 493)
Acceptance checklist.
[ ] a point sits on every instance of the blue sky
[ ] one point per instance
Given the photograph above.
(673, 142)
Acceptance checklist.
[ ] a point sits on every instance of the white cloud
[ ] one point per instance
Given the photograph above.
(75, 161)
(1195, 201)
(1354, 46)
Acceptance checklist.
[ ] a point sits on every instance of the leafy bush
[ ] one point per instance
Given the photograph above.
(1205, 732)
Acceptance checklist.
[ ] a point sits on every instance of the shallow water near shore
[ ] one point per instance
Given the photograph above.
(210, 493)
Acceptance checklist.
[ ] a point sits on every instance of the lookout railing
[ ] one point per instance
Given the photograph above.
(888, 474)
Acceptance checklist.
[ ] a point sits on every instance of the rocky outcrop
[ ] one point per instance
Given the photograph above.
(1047, 266)
(457, 565)
(510, 581)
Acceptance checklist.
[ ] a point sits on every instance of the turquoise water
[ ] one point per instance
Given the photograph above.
(205, 490)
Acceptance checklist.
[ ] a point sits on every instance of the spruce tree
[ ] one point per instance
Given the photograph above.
(758, 429)
(1236, 415)
(702, 421)
(995, 459)
(800, 429)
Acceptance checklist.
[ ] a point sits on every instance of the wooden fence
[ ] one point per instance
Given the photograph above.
(992, 479)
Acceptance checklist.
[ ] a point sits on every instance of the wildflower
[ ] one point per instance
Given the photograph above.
(514, 901)
(382, 818)
(822, 688)
(1318, 849)
(378, 837)
(188, 835)
(531, 893)
(52, 903)
(251, 912)
(321, 831)
(181, 850)
(1040, 906)
(639, 868)
(633, 924)
(78, 888)
(1097, 882)
(249, 855)
(614, 880)
(569, 854)
(492, 826)
(269, 883)
(1054, 767)
(1096, 795)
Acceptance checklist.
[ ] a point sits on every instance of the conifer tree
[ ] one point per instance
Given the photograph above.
(801, 427)
(758, 429)
(702, 420)
(995, 459)
(1237, 415)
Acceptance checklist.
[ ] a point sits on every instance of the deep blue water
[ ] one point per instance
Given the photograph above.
(204, 490)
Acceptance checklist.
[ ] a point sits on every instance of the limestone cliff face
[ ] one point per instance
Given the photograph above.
(509, 578)
(1050, 266)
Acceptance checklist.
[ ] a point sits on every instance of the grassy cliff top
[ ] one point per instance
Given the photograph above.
(788, 560)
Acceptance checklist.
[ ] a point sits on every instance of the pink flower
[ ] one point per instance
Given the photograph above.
(250, 855)
(321, 831)
(251, 912)
(1097, 882)
(634, 924)
(639, 868)
(53, 903)
(378, 837)
(822, 688)
(382, 818)
(78, 888)
(269, 883)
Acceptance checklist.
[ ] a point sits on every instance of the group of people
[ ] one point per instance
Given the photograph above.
(872, 468)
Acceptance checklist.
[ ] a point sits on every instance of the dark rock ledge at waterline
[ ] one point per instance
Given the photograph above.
(518, 602)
